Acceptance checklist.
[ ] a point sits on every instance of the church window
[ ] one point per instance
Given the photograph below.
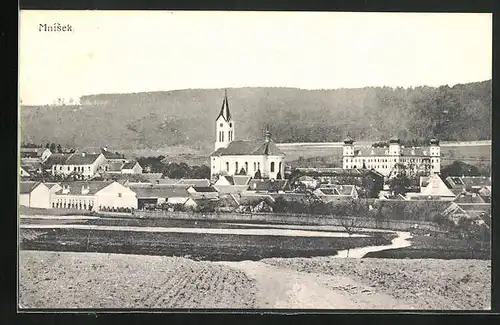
(222, 133)
(258, 165)
(236, 164)
(272, 166)
(246, 166)
(221, 125)
(230, 125)
(254, 166)
(227, 166)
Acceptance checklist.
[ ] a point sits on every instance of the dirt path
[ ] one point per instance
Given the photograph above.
(285, 288)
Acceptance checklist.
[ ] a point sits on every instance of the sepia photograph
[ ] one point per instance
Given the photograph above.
(174, 160)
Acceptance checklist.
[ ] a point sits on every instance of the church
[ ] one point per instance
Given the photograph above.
(258, 159)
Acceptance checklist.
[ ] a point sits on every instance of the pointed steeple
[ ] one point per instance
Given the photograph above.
(224, 110)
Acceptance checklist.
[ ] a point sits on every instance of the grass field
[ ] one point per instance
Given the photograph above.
(437, 248)
(200, 246)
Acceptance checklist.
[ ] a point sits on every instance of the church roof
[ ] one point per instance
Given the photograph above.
(224, 110)
(242, 148)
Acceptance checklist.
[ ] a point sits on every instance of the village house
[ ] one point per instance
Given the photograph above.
(203, 192)
(232, 184)
(113, 157)
(154, 194)
(36, 153)
(23, 173)
(34, 195)
(370, 180)
(131, 167)
(267, 185)
(93, 195)
(432, 188)
(259, 159)
(254, 202)
(336, 193)
(82, 165)
(390, 159)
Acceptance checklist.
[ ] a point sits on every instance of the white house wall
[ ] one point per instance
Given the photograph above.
(24, 200)
(117, 196)
(40, 197)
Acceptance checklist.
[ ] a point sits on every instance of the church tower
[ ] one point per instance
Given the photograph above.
(224, 126)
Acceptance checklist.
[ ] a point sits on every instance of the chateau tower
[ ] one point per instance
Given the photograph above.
(435, 153)
(394, 147)
(224, 126)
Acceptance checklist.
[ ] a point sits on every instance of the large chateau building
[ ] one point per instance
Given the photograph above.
(240, 157)
(390, 159)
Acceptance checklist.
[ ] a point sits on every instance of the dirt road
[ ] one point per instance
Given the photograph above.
(285, 288)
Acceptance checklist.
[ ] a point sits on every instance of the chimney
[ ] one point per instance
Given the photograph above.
(85, 189)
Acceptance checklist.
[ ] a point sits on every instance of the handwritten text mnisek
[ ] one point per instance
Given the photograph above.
(56, 27)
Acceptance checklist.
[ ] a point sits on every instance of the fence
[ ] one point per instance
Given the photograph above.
(289, 219)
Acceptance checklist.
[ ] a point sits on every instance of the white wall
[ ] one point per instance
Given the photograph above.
(40, 197)
(24, 200)
(117, 196)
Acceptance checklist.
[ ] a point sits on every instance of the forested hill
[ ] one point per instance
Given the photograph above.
(186, 117)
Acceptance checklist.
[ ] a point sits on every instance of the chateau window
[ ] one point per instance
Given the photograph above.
(272, 166)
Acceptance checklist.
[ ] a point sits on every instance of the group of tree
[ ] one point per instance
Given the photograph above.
(172, 169)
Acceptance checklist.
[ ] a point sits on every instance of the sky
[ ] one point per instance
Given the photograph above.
(135, 51)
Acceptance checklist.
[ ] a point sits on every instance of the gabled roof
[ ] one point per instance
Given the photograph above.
(75, 188)
(224, 110)
(244, 147)
(82, 158)
(160, 191)
(204, 189)
(115, 166)
(27, 187)
(57, 159)
(267, 185)
(37, 151)
(228, 200)
(129, 165)
(476, 181)
(110, 155)
(468, 198)
(436, 187)
(344, 190)
(193, 182)
(51, 185)
(454, 181)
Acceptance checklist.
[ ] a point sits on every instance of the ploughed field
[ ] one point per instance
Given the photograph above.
(93, 280)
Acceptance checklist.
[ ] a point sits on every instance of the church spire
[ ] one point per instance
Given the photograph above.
(224, 110)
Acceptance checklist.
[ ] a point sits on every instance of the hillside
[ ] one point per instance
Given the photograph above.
(184, 119)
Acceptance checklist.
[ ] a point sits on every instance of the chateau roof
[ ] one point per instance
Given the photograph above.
(250, 148)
